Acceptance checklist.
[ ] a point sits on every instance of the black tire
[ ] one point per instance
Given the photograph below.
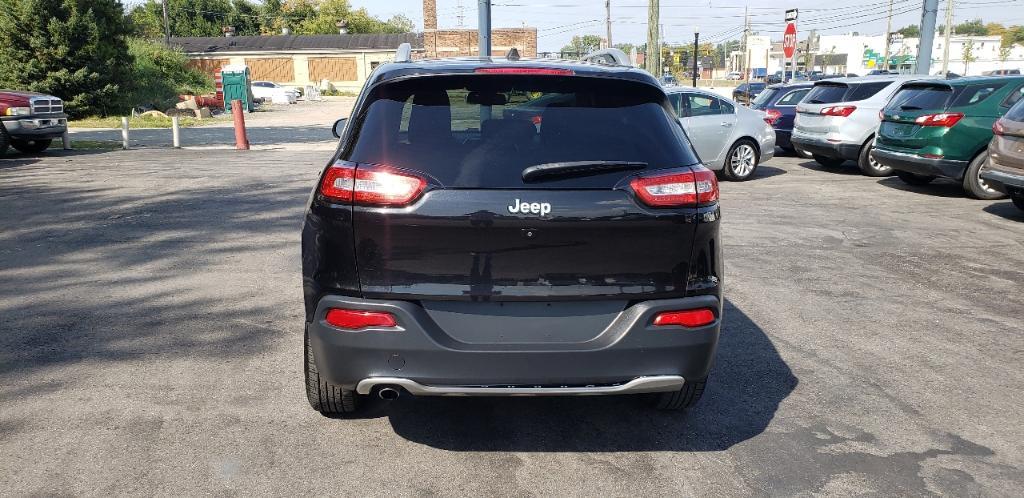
(5, 139)
(829, 162)
(868, 165)
(326, 398)
(974, 185)
(31, 146)
(913, 178)
(742, 170)
(685, 397)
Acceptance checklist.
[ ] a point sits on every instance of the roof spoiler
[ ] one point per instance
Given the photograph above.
(608, 57)
(404, 53)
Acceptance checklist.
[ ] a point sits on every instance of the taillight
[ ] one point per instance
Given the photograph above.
(684, 189)
(838, 110)
(997, 128)
(525, 70)
(358, 319)
(687, 318)
(946, 119)
(771, 116)
(370, 185)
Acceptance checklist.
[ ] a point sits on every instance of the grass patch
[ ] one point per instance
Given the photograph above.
(140, 122)
(93, 144)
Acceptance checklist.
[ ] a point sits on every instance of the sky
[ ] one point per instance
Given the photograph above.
(718, 20)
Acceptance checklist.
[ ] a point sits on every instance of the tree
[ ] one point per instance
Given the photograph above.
(196, 17)
(582, 45)
(626, 48)
(968, 54)
(994, 29)
(1004, 54)
(161, 74)
(974, 27)
(912, 31)
(74, 49)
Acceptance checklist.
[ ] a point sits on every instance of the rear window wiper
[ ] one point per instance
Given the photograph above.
(578, 168)
(910, 108)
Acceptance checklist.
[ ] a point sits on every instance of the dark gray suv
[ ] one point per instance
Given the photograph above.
(511, 227)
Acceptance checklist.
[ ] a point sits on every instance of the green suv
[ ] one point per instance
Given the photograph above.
(941, 128)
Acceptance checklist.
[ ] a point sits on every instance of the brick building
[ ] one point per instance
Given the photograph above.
(464, 42)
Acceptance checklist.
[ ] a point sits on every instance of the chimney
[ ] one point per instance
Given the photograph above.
(429, 14)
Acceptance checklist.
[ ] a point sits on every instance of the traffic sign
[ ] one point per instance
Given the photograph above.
(791, 15)
(789, 40)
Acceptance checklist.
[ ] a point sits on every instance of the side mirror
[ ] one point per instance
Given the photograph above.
(338, 127)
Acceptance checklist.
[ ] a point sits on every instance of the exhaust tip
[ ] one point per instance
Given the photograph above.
(388, 393)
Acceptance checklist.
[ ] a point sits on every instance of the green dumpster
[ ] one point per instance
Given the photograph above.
(237, 86)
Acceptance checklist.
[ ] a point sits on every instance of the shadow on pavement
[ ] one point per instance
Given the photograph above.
(214, 135)
(745, 387)
(940, 187)
(766, 172)
(849, 168)
(1005, 209)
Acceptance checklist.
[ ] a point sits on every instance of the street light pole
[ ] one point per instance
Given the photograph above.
(167, 25)
(696, 43)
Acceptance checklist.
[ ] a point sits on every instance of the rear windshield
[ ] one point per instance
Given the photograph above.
(865, 91)
(913, 98)
(793, 98)
(764, 97)
(482, 131)
(828, 93)
(1016, 113)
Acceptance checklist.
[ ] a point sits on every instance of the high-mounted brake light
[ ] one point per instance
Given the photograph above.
(370, 185)
(689, 188)
(945, 119)
(771, 116)
(359, 319)
(838, 110)
(687, 318)
(525, 70)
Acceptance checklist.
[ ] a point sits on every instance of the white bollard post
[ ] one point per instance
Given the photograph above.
(65, 140)
(124, 132)
(175, 134)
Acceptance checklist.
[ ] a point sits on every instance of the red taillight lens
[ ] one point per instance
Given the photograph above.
(946, 119)
(838, 110)
(371, 185)
(357, 319)
(525, 70)
(688, 318)
(772, 116)
(688, 188)
(997, 128)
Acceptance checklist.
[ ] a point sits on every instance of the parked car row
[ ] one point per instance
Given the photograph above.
(968, 129)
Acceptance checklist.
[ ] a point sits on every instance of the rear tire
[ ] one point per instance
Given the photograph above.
(1018, 200)
(868, 165)
(685, 397)
(742, 161)
(326, 398)
(32, 146)
(913, 178)
(828, 162)
(5, 139)
(974, 185)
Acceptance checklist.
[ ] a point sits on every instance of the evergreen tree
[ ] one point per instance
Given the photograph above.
(73, 49)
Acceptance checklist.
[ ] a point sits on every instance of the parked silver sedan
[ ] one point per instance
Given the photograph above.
(728, 137)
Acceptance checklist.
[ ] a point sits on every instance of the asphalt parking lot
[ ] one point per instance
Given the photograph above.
(151, 343)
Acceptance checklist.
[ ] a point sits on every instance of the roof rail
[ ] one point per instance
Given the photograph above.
(404, 53)
(609, 56)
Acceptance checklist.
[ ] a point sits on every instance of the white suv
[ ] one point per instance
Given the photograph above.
(838, 118)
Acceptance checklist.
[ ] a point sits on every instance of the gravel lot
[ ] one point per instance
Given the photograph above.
(151, 343)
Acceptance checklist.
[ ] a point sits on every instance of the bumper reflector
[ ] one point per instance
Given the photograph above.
(357, 319)
(687, 318)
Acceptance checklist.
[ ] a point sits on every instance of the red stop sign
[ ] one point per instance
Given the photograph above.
(789, 40)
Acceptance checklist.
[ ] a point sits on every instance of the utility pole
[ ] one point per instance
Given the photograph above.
(608, 20)
(653, 57)
(746, 50)
(484, 36)
(167, 25)
(924, 49)
(888, 37)
(949, 32)
(696, 49)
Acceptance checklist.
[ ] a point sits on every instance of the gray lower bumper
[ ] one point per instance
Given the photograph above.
(913, 163)
(419, 351)
(1003, 181)
(653, 384)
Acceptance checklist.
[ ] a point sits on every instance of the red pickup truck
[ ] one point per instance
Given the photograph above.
(30, 121)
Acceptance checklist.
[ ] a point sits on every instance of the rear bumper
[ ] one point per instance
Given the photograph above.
(913, 163)
(820, 147)
(783, 138)
(421, 357)
(1003, 181)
